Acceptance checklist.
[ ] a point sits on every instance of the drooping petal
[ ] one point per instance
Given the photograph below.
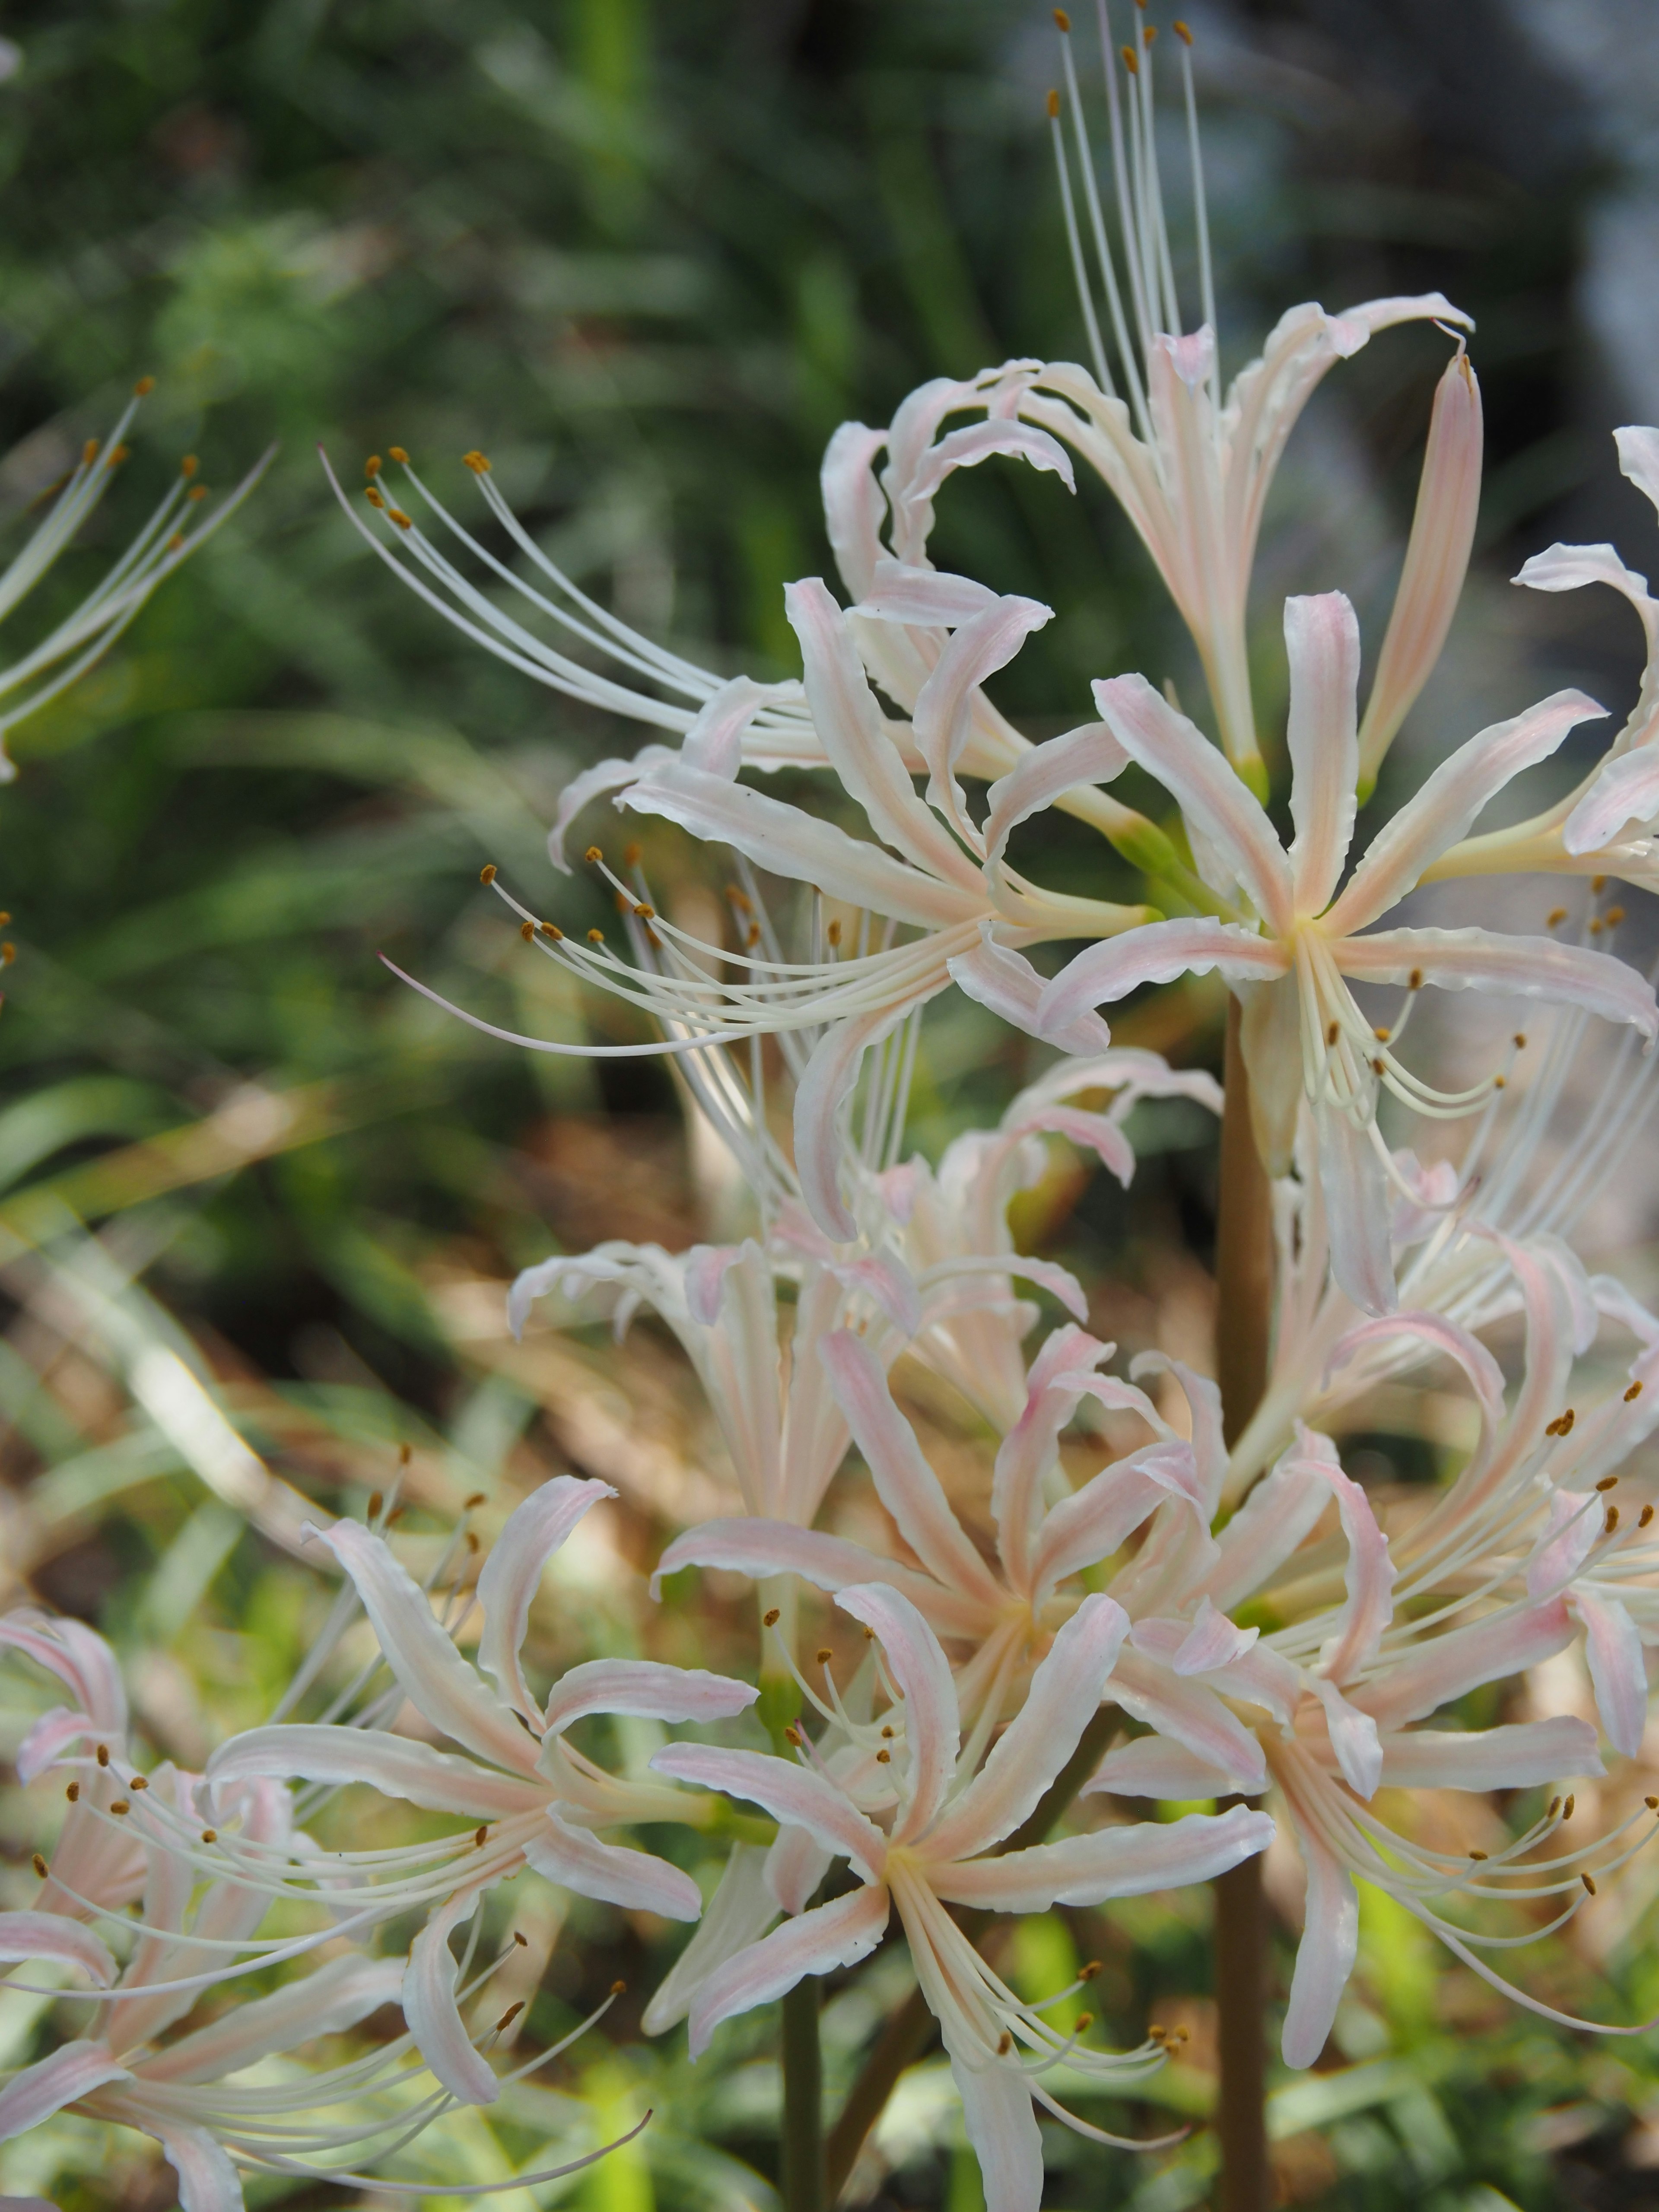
(430, 2009)
(796, 1796)
(1088, 755)
(54, 1935)
(839, 1934)
(1325, 1956)
(921, 1674)
(906, 1484)
(73, 2070)
(1228, 818)
(208, 2181)
(1157, 953)
(822, 1094)
(1125, 1862)
(1192, 1713)
(1617, 1673)
(52, 1733)
(713, 741)
(512, 1573)
(853, 508)
(1482, 1371)
(1212, 1641)
(1321, 638)
(435, 1678)
(1154, 1766)
(1063, 1372)
(999, 978)
(1094, 1521)
(1481, 960)
(795, 1865)
(1002, 2130)
(1272, 1523)
(927, 598)
(637, 1880)
(943, 716)
(78, 1657)
(739, 1912)
(1063, 1695)
(334, 1997)
(596, 783)
(1444, 1667)
(1354, 1185)
(1369, 1574)
(758, 1548)
(644, 1687)
(395, 1765)
(1354, 1738)
(1521, 1756)
(1625, 790)
(1432, 821)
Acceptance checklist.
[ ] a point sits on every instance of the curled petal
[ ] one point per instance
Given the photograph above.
(836, 1935)
(933, 1727)
(644, 1687)
(1325, 1956)
(54, 1935)
(1124, 1862)
(636, 1881)
(512, 1573)
(429, 2006)
(1618, 1672)
(797, 1796)
(1155, 954)
(995, 976)
(1089, 755)
(1480, 960)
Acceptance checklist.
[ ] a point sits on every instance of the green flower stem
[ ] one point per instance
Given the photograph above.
(802, 2162)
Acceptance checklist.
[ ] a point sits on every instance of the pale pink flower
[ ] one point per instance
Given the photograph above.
(917, 1822)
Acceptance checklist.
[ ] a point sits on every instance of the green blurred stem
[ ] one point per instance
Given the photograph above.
(803, 2176)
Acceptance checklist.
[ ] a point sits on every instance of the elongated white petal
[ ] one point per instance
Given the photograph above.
(1228, 818)
(1528, 967)
(208, 2181)
(430, 2009)
(435, 1678)
(798, 1796)
(395, 1765)
(839, 1934)
(52, 1733)
(922, 1673)
(1321, 638)
(1064, 1696)
(1002, 2130)
(512, 1573)
(1521, 1756)
(637, 1880)
(1089, 755)
(943, 716)
(73, 2070)
(1446, 1666)
(599, 781)
(1325, 1956)
(1357, 1210)
(1369, 1574)
(1124, 1862)
(821, 1098)
(853, 508)
(647, 1688)
(1272, 1523)
(1353, 1738)
(758, 1548)
(1212, 1641)
(1062, 1373)
(1094, 1521)
(1432, 821)
(931, 598)
(334, 1997)
(1155, 954)
(997, 977)
(1192, 1713)
(795, 1865)
(739, 1912)
(1618, 1672)
(78, 1657)
(906, 1484)
(54, 1935)
(1485, 1376)
(1156, 1766)
(1625, 790)
(714, 740)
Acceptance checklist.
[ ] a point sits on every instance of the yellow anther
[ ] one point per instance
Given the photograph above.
(395, 515)
(1612, 1521)
(833, 933)
(1054, 105)
(116, 455)
(209, 1835)
(471, 1505)
(1567, 1806)
(8, 953)
(120, 1806)
(825, 1656)
(551, 930)
(632, 856)
(103, 1754)
(1598, 884)
(1589, 1883)
(645, 913)
(1334, 1031)
(89, 452)
(883, 1759)
(618, 1989)
(487, 874)
(144, 386)
(1552, 1809)
(398, 455)
(1087, 1973)
(372, 465)
(73, 1793)
(189, 465)
(1382, 1036)
(509, 2015)
(139, 1782)
(890, 1730)
(1634, 1391)
(1477, 1855)
(1652, 1804)
(526, 930)
(375, 495)
(1500, 1083)
(771, 1620)
(1415, 981)
(523, 1942)
(1644, 1516)
(40, 1865)
(1005, 2044)
(596, 936)
(594, 856)
(1520, 1039)
(1130, 62)
(1085, 2021)
(478, 1836)
(376, 1500)
(1149, 34)
(1608, 1482)
(478, 462)
(1182, 32)
(1062, 21)
(1555, 917)
(1614, 916)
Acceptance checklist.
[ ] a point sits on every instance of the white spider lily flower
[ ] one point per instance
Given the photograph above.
(537, 1800)
(1192, 471)
(96, 1865)
(1303, 1031)
(922, 1841)
(172, 533)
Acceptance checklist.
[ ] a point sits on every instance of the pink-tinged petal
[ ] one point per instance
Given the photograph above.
(1626, 790)
(821, 1096)
(921, 1675)
(1321, 639)
(395, 1765)
(1521, 1756)
(849, 724)
(434, 1677)
(1065, 1694)
(1273, 1522)
(1088, 755)
(796, 1863)
(54, 1935)
(1153, 1766)
(1442, 1669)
(739, 1912)
(1528, 967)
(1354, 1738)
(979, 442)
(1325, 1956)
(1270, 1035)
(1097, 1520)
(786, 840)
(1573, 1526)
(1005, 981)
(1357, 1211)
(1429, 824)
(1063, 1372)
(887, 1285)
(1570, 568)
(636, 1881)
(73, 2069)
(512, 1573)
(905, 1483)
(644, 1687)
(1002, 2131)
(1485, 1376)
(430, 2010)
(758, 1548)
(1228, 818)
(1639, 457)
(1260, 1677)
(78, 1657)
(1437, 560)
(796, 1796)
(706, 1267)
(333, 1998)
(1204, 1406)
(1369, 1575)
(1157, 953)
(1617, 1670)
(1212, 1642)
(1090, 1133)
(928, 598)
(1192, 1713)
(853, 508)
(818, 1942)
(943, 717)
(605, 777)
(1125, 1862)
(51, 1734)
(208, 2181)
(713, 742)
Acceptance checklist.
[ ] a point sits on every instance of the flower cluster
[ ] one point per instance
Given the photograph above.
(1133, 1592)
